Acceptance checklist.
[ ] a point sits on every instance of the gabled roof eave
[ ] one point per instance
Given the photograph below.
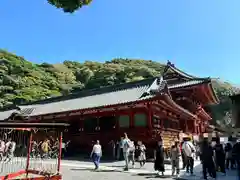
(182, 73)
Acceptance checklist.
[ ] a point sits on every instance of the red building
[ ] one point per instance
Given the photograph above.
(146, 110)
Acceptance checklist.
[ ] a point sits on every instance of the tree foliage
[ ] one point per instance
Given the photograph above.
(22, 81)
(69, 5)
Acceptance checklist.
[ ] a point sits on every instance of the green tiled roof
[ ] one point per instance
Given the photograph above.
(112, 95)
(130, 92)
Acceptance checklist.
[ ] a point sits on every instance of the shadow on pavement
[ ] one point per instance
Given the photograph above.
(88, 159)
(92, 170)
(153, 175)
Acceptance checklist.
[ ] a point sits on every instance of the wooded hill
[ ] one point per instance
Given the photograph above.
(22, 81)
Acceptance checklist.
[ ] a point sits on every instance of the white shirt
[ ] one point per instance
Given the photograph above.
(97, 149)
(125, 145)
(63, 145)
(188, 148)
(13, 146)
(7, 145)
(2, 146)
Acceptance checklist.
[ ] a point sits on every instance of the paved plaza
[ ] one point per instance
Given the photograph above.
(74, 170)
(84, 170)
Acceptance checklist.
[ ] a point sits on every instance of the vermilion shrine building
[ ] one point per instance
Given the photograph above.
(146, 110)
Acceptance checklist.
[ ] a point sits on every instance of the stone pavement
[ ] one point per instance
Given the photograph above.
(74, 170)
(147, 172)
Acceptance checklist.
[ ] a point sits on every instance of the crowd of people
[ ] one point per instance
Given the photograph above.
(7, 149)
(214, 156)
(126, 149)
(49, 148)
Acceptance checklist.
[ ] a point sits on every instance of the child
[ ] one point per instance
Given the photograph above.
(175, 158)
(142, 154)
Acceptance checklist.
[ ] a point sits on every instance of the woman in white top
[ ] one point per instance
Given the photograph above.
(96, 154)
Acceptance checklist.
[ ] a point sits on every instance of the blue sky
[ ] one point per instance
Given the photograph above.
(202, 37)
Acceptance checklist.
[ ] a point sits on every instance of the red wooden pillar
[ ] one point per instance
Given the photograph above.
(162, 125)
(131, 116)
(149, 116)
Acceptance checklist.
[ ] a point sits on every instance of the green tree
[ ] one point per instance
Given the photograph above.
(22, 81)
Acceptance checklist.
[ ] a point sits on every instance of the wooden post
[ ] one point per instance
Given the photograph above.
(60, 152)
(29, 152)
(131, 116)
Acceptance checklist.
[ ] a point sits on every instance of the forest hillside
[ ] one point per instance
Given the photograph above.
(22, 81)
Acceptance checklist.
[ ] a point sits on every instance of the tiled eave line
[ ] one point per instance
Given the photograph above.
(205, 114)
(181, 109)
(213, 93)
(189, 84)
(132, 103)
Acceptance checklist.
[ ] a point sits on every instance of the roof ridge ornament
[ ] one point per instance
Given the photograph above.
(170, 64)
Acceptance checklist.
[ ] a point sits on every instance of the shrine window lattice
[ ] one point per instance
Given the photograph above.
(166, 123)
(124, 121)
(90, 124)
(140, 120)
(107, 123)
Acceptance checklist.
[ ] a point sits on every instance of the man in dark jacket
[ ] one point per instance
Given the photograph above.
(236, 155)
(207, 160)
(220, 156)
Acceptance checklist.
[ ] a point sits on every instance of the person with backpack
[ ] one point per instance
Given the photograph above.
(189, 151)
(183, 155)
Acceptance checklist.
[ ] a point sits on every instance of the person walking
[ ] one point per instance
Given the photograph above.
(229, 160)
(175, 158)
(10, 149)
(131, 156)
(159, 158)
(184, 159)
(2, 149)
(189, 151)
(220, 156)
(120, 149)
(207, 158)
(113, 147)
(126, 143)
(45, 148)
(197, 153)
(141, 154)
(96, 154)
(236, 156)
